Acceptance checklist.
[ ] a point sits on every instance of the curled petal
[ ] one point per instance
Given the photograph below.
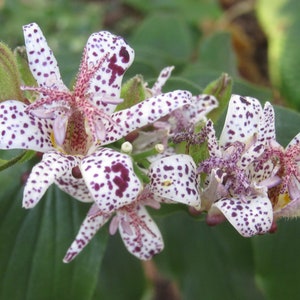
(174, 178)
(88, 229)
(145, 113)
(52, 166)
(143, 239)
(161, 80)
(249, 215)
(242, 120)
(42, 62)
(60, 129)
(22, 131)
(106, 82)
(110, 179)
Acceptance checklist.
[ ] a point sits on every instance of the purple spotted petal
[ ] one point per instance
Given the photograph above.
(140, 234)
(52, 166)
(212, 142)
(200, 106)
(22, 131)
(145, 113)
(249, 215)
(118, 55)
(294, 141)
(175, 178)
(267, 126)
(254, 151)
(110, 179)
(74, 186)
(42, 62)
(242, 120)
(161, 80)
(88, 229)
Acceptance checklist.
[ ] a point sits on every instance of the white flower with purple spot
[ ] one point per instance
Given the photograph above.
(173, 179)
(187, 115)
(179, 120)
(286, 196)
(238, 178)
(70, 126)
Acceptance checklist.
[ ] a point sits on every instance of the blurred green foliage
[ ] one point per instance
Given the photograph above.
(281, 23)
(207, 263)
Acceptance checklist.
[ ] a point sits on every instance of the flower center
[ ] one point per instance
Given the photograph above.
(77, 121)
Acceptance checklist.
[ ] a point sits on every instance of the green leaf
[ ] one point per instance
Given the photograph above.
(277, 261)
(192, 10)
(216, 53)
(165, 32)
(23, 157)
(214, 262)
(34, 242)
(281, 22)
(287, 124)
(121, 275)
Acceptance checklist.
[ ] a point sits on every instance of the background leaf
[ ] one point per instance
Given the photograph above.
(206, 262)
(281, 23)
(34, 242)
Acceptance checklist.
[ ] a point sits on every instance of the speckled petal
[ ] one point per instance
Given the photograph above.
(251, 154)
(249, 215)
(76, 187)
(267, 125)
(242, 120)
(143, 238)
(88, 229)
(145, 113)
(22, 131)
(161, 80)
(110, 179)
(294, 141)
(107, 80)
(175, 178)
(212, 142)
(42, 62)
(200, 106)
(52, 166)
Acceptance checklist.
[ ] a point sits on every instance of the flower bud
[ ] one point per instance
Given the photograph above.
(133, 91)
(9, 76)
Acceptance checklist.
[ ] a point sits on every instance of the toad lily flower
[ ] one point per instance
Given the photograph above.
(187, 115)
(237, 183)
(286, 196)
(70, 126)
(172, 179)
(179, 119)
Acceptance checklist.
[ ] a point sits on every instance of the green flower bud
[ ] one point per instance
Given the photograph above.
(9, 76)
(221, 88)
(133, 91)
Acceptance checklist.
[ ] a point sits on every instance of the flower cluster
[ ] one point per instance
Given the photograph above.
(251, 180)
(247, 177)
